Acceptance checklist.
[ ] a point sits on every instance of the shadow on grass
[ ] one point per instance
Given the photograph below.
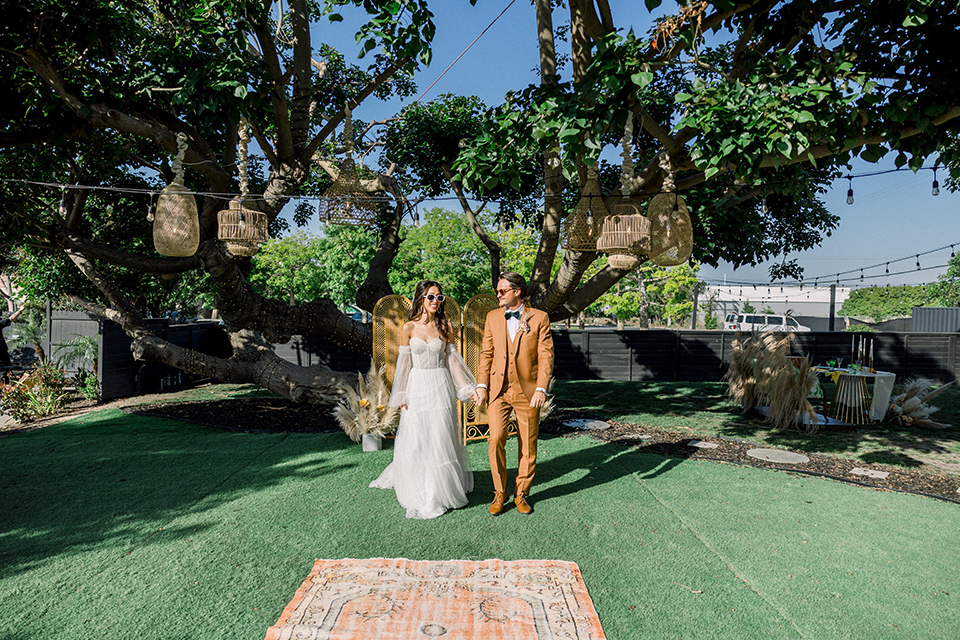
(704, 408)
(110, 481)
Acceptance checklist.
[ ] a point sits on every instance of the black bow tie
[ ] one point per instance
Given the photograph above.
(512, 314)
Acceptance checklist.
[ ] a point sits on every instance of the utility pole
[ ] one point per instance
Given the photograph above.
(696, 293)
(833, 303)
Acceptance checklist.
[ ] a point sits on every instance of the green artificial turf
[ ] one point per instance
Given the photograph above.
(122, 526)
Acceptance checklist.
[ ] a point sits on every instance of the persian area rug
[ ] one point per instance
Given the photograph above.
(396, 598)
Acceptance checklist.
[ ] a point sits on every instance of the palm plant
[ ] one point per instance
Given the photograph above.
(31, 332)
(81, 350)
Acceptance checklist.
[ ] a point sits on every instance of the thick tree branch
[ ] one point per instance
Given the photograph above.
(104, 252)
(587, 293)
(492, 247)
(243, 308)
(277, 92)
(253, 361)
(300, 70)
(332, 123)
(100, 115)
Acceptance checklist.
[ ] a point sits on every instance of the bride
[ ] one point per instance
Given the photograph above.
(430, 470)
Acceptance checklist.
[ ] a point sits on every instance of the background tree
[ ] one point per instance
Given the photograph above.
(880, 303)
(443, 248)
(945, 292)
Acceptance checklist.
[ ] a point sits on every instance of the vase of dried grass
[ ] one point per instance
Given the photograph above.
(371, 442)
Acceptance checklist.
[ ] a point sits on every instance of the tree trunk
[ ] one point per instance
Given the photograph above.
(253, 361)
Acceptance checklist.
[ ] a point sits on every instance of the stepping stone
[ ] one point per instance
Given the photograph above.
(588, 425)
(778, 455)
(700, 444)
(870, 473)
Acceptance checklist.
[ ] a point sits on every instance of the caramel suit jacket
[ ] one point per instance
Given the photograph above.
(530, 355)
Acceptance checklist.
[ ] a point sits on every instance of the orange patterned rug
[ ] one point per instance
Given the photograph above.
(387, 598)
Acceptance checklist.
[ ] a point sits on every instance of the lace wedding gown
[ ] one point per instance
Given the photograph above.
(430, 470)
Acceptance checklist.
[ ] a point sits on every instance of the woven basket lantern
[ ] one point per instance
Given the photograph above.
(176, 226)
(241, 229)
(626, 234)
(345, 202)
(581, 228)
(671, 231)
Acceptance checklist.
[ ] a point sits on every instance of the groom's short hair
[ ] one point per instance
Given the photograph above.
(516, 281)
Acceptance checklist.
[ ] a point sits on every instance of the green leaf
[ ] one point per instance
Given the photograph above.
(336, 17)
(915, 20)
(652, 4)
(642, 78)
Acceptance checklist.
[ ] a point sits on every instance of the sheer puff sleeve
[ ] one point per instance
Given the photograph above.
(398, 396)
(463, 380)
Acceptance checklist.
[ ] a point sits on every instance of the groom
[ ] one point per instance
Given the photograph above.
(516, 364)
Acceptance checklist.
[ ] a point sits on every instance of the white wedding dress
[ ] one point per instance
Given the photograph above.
(430, 470)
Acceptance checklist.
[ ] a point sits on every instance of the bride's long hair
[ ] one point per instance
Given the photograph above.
(439, 318)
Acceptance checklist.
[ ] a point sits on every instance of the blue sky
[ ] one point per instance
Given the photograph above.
(894, 216)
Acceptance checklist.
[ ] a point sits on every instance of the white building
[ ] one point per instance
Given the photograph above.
(803, 303)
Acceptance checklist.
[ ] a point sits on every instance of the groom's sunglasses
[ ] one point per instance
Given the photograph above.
(503, 292)
(431, 297)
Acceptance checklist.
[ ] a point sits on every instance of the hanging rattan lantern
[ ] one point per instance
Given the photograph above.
(581, 228)
(242, 229)
(626, 234)
(176, 225)
(345, 202)
(671, 230)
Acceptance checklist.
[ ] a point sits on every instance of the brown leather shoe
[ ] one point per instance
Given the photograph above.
(496, 507)
(522, 505)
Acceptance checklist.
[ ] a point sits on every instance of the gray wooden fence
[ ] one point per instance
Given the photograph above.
(581, 354)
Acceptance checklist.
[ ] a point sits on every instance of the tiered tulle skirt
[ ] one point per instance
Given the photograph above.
(430, 470)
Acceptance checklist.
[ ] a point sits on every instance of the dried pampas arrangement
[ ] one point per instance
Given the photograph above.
(762, 373)
(910, 407)
(366, 410)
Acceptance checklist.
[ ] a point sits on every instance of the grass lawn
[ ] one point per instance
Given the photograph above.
(124, 526)
(702, 408)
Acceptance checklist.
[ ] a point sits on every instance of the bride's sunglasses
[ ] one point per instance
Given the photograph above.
(438, 298)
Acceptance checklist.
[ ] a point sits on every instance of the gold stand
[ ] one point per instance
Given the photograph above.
(851, 400)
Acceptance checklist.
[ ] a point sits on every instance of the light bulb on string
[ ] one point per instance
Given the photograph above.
(918, 262)
(936, 185)
(861, 275)
(850, 190)
(888, 269)
(763, 205)
(150, 216)
(953, 254)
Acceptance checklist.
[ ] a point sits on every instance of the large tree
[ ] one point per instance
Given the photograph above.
(98, 93)
(748, 107)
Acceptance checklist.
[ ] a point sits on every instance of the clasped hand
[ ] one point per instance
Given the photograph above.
(538, 399)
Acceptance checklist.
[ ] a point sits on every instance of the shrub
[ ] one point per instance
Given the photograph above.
(39, 394)
(86, 384)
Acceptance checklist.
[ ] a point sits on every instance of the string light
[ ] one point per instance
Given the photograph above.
(861, 275)
(936, 185)
(850, 190)
(888, 269)
(918, 261)
(150, 216)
